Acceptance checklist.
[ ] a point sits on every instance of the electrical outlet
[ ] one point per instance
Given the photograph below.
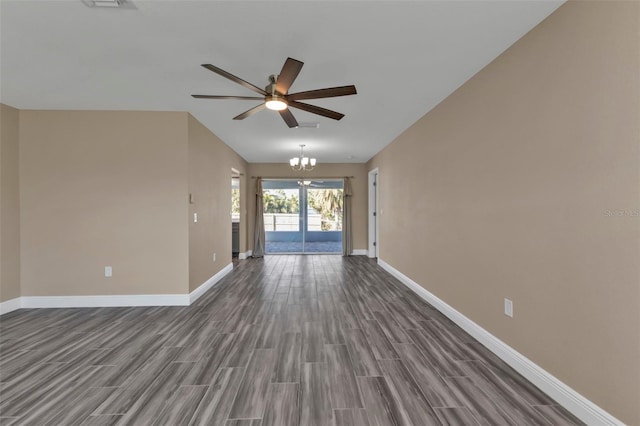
(214, 257)
(508, 308)
(108, 271)
(195, 218)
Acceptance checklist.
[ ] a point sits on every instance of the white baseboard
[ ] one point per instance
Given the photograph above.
(573, 401)
(202, 289)
(105, 301)
(359, 252)
(10, 305)
(110, 301)
(245, 255)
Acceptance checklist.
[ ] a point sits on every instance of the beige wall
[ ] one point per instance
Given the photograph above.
(503, 191)
(103, 188)
(210, 163)
(322, 170)
(9, 204)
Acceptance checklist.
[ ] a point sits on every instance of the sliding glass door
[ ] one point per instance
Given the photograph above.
(282, 216)
(302, 216)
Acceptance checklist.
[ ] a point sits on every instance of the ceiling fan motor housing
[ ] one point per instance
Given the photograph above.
(271, 87)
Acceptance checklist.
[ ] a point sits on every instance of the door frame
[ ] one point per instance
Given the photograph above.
(303, 222)
(374, 215)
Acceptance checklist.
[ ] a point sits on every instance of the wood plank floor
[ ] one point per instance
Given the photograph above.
(284, 340)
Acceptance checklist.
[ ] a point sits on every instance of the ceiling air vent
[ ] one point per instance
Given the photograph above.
(122, 4)
(308, 126)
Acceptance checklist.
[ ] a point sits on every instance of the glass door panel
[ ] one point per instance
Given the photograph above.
(282, 216)
(324, 217)
(302, 216)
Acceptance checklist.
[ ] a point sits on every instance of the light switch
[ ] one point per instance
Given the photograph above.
(108, 271)
(195, 217)
(508, 308)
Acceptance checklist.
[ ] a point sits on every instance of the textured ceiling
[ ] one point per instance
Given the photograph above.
(403, 57)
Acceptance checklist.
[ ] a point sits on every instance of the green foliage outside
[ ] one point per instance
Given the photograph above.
(235, 201)
(277, 201)
(327, 202)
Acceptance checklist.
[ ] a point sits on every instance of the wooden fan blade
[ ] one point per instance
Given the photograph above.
(253, 98)
(330, 92)
(288, 74)
(234, 79)
(316, 110)
(288, 118)
(249, 112)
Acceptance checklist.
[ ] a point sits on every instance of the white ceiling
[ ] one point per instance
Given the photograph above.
(403, 57)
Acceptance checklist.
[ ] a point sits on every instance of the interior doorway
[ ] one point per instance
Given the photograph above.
(235, 213)
(374, 214)
(303, 216)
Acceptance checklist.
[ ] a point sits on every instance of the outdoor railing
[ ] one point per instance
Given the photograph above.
(275, 222)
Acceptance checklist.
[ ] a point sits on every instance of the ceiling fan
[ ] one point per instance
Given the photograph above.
(276, 96)
(312, 183)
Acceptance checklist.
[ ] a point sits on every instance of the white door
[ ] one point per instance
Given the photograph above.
(374, 245)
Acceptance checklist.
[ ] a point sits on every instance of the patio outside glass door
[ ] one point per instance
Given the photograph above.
(302, 216)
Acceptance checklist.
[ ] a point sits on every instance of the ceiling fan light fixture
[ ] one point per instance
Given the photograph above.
(275, 103)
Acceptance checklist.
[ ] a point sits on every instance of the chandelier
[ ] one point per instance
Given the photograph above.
(302, 163)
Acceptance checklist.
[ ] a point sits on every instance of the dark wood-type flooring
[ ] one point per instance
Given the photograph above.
(285, 340)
